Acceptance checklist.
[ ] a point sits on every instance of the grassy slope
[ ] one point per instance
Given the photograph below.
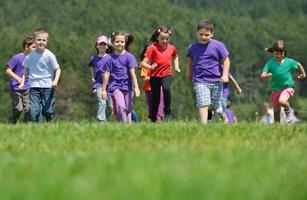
(145, 161)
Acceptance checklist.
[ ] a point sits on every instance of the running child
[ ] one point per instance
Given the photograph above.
(119, 79)
(280, 68)
(209, 66)
(158, 58)
(96, 64)
(19, 95)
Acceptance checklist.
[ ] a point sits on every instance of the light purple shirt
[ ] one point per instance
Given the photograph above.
(119, 67)
(207, 61)
(16, 65)
(97, 63)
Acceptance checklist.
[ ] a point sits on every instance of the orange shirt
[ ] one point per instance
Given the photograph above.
(145, 73)
(162, 57)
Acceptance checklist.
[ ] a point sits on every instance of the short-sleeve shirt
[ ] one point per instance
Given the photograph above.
(15, 64)
(145, 73)
(281, 73)
(162, 57)
(207, 61)
(97, 63)
(119, 67)
(41, 68)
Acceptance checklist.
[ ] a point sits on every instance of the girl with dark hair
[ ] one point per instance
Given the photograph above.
(280, 68)
(158, 59)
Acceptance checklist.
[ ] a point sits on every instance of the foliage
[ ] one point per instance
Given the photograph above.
(246, 27)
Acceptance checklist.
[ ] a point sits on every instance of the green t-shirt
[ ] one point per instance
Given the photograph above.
(281, 73)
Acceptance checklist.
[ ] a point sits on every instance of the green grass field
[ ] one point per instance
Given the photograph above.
(179, 160)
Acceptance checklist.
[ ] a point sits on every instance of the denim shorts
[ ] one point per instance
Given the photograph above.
(208, 94)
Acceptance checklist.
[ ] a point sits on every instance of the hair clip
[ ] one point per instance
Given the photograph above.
(169, 32)
(159, 30)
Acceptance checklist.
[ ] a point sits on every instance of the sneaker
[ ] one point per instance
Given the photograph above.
(289, 117)
(224, 118)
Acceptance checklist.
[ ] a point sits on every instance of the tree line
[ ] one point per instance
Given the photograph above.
(245, 26)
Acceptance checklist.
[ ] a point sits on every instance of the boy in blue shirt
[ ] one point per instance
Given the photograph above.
(44, 73)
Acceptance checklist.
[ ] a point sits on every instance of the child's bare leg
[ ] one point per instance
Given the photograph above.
(203, 114)
(284, 101)
(277, 115)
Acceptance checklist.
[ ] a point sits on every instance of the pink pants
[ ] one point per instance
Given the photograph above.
(122, 105)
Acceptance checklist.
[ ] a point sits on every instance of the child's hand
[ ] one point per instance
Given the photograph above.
(19, 80)
(239, 92)
(54, 83)
(224, 79)
(137, 92)
(21, 85)
(301, 76)
(104, 94)
(153, 66)
(177, 69)
(93, 80)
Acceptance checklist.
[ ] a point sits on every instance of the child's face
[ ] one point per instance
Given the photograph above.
(163, 39)
(102, 47)
(29, 48)
(119, 43)
(41, 41)
(204, 35)
(279, 56)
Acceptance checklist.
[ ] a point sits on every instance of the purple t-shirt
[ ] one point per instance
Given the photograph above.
(97, 63)
(119, 67)
(16, 65)
(230, 115)
(207, 66)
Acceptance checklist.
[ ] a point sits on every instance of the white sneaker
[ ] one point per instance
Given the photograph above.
(289, 117)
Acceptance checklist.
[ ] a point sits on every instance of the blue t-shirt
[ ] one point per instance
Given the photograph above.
(207, 61)
(41, 68)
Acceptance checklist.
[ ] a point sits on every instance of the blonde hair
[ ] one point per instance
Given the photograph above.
(40, 31)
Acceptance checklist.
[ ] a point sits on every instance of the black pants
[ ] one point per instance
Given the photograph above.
(155, 84)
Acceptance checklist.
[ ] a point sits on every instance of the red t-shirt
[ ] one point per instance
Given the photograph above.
(162, 57)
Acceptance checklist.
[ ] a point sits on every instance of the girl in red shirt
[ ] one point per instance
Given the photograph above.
(158, 58)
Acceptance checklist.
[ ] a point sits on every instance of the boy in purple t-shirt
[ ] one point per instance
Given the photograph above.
(209, 66)
(19, 94)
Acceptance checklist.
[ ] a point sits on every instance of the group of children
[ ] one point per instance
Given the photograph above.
(34, 73)
(114, 80)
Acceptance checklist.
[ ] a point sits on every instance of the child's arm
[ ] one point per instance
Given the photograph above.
(106, 76)
(176, 63)
(265, 75)
(11, 74)
(188, 74)
(145, 64)
(135, 83)
(234, 81)
(56, 77)
(93, 75)
(302, 71)
(226, 66)
(23, 78)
